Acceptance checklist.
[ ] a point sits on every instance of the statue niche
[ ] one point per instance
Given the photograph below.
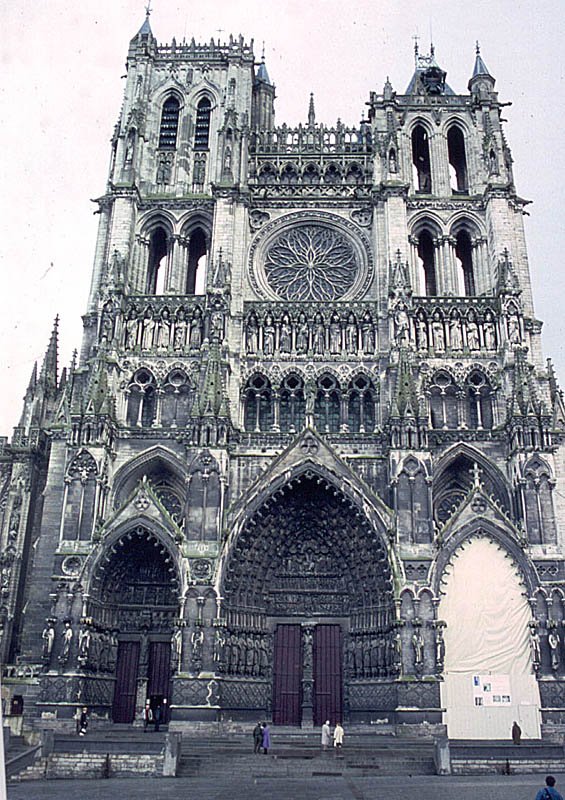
(80, 497)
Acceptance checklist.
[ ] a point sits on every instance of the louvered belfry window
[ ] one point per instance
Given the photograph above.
(169, 124)
(202, 133)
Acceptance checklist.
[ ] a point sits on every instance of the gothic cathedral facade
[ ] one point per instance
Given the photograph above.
(309, 463)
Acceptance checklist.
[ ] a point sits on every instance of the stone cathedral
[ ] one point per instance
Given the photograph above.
(309, 461)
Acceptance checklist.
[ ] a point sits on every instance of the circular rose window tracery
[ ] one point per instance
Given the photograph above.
(311, 262)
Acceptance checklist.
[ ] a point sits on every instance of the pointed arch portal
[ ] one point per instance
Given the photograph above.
(308, 583)
(134, 599)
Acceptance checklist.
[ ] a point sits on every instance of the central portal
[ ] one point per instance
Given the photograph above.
(308, 605)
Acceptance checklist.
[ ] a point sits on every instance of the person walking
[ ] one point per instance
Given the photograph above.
(339, 733)
(266, 738)
(549, 792)
(326, 735)
(147, 715)
(83, 721)
(516, 733)
(257, 738)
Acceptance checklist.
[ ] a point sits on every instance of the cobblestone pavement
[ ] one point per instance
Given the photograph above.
(513, 787)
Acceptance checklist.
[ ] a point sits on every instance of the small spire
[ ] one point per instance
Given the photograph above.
(262, 74)
(145, 29)
(480, 70)
(48, 374)
(311, 112)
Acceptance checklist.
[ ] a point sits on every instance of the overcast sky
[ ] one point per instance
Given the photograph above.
(63, 62)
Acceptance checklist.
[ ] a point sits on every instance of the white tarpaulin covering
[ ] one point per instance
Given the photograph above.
(487, 617)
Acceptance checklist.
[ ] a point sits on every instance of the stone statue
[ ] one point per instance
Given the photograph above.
(418, 645)
(438, 332)
(219, 644)
(176, 649)
(489, 332)
(319, 337)
(67, 642)
(455, 333)
(535, 646)
(335, 334)
(48, 637)
(197, 643)
(367, 333)
(392, 163)
(269, 336)
(401, 326)
(196, 329)
(440, 648)
(252, 334)
(351, 334)
(163, 333)
(180, 330)
(473, 342)
(130, 330)
(514, 335)
(554, 647)
(84, 642)
(285, 342)
(302, 334)
(148, 329)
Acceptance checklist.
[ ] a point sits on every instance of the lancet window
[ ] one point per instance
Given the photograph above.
(169, 124)
(327, 405)
(141, 400)
(427, 259)
(292, 404)
(479, 400)
(258, 405)
(157, 262)
(202, 130)
(176, 400)
(537, 500)
(464, 256)
(421, 160)
(361, 404)
(443, 402)
(457, 160)
(196, 262)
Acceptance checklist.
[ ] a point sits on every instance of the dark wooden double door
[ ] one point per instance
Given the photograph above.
(127, 674)
(292, 677)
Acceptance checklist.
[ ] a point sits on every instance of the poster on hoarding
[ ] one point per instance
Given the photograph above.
(491, 690)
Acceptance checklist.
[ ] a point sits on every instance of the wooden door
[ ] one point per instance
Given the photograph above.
(328, 677)
(287, 675)
(123, 709)
(159, 674)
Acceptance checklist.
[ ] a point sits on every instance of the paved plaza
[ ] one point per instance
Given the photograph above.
(323, 787)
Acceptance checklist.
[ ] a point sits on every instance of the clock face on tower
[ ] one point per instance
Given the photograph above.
(311, 262)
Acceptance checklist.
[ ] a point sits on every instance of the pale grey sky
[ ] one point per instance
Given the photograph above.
(61, 93)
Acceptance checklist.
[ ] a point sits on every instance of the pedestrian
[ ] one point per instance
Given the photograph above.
(157, 716)
(257, 738)
(339, 733)
(516, 733)
(266, 742)
(549, 792)
(83, 721)
(78, 714)
(147, 715)
(326, 735)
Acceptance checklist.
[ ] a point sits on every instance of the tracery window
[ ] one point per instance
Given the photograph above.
(258, 408)
(327, 405)
(142, 400)
(169, 124)
(311, 262)
(176, 400)
(443, 402)
(361, 405)
(202, 131)
(479, 398)
(292, 404)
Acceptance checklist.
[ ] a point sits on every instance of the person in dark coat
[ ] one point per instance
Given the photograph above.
(257, 738)
(266, 738)
(158, 715)
(83, 722)
(516, 733)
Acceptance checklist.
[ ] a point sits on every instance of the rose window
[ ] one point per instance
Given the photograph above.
(311, 262)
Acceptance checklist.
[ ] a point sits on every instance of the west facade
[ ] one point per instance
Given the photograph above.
(309, 461)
